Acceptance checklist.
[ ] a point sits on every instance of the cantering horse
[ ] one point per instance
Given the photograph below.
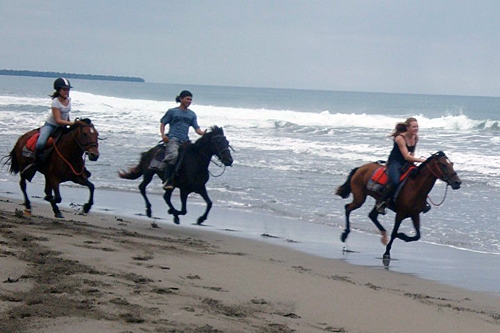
(410, 201)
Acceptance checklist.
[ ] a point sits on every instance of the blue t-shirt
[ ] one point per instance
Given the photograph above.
(179, 121)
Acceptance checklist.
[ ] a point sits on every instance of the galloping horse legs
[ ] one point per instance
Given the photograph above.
(204, 195)
(27, 202)
(147, 177)
(167, 197)
(395, 234)
(374, 217)
(53, 200)
(357, 202)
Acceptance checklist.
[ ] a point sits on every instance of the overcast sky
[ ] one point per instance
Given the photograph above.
(435, 46)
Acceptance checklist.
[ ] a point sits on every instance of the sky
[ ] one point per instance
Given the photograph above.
(447, 47)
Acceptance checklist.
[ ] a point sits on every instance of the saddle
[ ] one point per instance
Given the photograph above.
(29, 148)
(379, 179)
(158, 161)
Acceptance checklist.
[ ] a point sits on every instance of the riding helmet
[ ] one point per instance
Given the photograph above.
(61, 83)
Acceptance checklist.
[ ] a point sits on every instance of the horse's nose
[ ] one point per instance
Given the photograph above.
(93, 156)
(228, 162)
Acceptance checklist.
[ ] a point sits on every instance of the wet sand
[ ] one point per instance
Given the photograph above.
(110, 272)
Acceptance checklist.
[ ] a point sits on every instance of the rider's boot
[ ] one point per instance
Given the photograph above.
(169, 170)
(30, 170)
(386, 197)
(426, 208)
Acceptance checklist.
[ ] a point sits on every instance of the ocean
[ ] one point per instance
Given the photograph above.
(292, 148)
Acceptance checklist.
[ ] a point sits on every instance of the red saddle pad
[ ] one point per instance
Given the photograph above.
(30, 144)
(380, 175)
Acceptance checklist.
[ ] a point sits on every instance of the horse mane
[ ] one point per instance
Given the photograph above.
(214, 130)
(436, 155)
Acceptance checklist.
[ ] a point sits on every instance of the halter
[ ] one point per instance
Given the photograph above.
(83, 147)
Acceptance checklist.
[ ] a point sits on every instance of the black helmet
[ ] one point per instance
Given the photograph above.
(61, 83)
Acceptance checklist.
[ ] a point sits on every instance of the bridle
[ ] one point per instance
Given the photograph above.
(219, 155)
(438, 172)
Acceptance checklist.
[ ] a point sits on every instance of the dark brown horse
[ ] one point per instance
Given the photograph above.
(63, 163)
(410, 201)
(192, 172)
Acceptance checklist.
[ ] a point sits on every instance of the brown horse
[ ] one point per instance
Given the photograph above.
(64, 162)
(410, 201)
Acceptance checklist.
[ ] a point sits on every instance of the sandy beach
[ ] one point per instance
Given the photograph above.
(106, 273)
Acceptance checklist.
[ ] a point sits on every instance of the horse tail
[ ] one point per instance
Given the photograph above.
(345, 189)
(138, 170)
(12, 160)
(132, 173)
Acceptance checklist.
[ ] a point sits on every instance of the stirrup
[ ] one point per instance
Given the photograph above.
(426, 208)
(381, 208)
(168, 185)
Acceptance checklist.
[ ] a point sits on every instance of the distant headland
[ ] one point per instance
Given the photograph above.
(70, 75)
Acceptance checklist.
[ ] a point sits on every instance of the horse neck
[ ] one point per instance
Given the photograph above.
(425, 180)
(206, 154)
(68, 145)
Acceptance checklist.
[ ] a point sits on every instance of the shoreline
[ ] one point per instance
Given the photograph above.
(434, 262)
(113, 273)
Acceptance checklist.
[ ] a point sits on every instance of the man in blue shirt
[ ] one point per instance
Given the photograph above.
(179, 120)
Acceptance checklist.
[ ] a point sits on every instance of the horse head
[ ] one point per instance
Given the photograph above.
(442, 168)
(220, 145)
(86, 136)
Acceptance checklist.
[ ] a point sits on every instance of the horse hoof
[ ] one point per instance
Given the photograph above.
(86, 208)
(177, 220)
(27, 212)
(59, 215)
(343, 237)
(149, 213)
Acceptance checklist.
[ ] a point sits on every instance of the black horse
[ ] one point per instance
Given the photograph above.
(191, 174)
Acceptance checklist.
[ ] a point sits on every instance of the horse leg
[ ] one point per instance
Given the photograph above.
(146, 179)
(27, 202)
(84, 182)
(167, 197)
(53, 200)
(357, 201)
(394, 235)
(374, 217)
(416, 224)
(204, 195)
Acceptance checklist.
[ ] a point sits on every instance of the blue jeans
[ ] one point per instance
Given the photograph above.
(46, 130)
(394, 172)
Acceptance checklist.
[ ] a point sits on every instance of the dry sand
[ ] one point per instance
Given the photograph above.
(102, 273)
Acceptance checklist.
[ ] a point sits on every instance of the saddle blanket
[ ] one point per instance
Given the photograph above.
(379, 178)
(157, 160)
(29, 148)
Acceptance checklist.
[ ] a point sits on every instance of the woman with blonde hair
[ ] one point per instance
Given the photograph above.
(405, 136)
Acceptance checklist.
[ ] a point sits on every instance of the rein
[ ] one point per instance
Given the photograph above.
(442, 201)
(84, 148)
(220, 165)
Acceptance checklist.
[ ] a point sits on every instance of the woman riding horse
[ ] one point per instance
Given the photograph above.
(405, 137)
(411, 198)
(59, 116)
